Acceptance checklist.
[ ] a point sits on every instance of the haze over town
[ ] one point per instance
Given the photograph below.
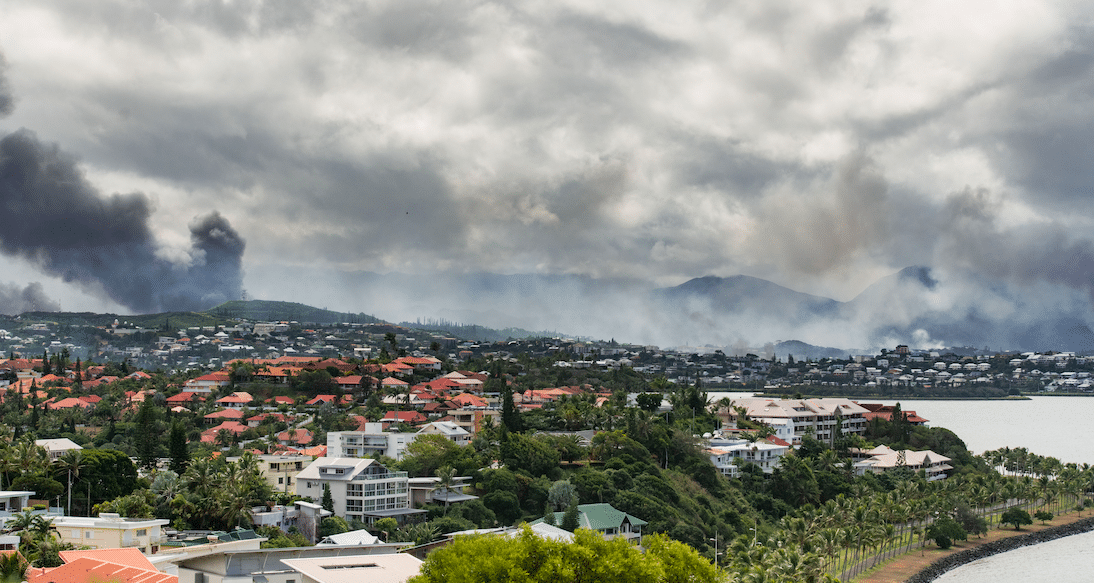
(296, 151)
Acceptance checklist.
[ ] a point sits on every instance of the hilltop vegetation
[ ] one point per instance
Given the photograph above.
(270, 311)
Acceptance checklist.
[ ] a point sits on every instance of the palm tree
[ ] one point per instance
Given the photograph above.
(13, 567)
(70, 463)
(446, 480)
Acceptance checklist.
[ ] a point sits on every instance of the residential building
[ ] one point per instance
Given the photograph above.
(111, 531)
(606, 520)
(819, 417)
(362, 489)
(883, 459)
(57, 447)
(728, 455)
(368, 443)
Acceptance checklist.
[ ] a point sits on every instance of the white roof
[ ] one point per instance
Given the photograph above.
(354, 537)
(389, 568)
(58, 444)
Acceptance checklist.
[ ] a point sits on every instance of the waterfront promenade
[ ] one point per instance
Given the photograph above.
(906, 566)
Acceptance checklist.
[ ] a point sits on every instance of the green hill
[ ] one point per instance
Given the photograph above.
(268, 311)
(167, 320)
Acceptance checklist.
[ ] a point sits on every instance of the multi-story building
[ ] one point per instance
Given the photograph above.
(375, 441)
(820, 417)
(728, 455)
(361, 489)
(111, 531)
(368, 443)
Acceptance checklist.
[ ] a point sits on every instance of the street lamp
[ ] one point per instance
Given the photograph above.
(715, 539)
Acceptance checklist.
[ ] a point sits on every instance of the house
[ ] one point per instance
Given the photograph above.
(236, 400)
(57, 447)
(362, 489)
(424, 491)
(606, 520)
(883, 459)
(450, 430)
(298, 436)
(185, 398)
(877, 410)
(729, 454)
(234, 427)
(111, 531)
(224, 415)
(127, 565)
(14, 501)
(279, 470)
(209, 381)
(408, 417)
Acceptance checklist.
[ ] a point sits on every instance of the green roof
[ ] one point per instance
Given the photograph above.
(599, 517)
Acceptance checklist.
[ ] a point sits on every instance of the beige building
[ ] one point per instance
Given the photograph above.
(111, 531)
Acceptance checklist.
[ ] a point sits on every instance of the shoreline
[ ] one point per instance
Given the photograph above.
(951, 562)
(914, 567)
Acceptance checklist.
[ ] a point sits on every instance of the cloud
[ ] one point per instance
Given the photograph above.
(820, 147)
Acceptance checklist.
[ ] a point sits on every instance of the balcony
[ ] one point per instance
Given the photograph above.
(384, 476)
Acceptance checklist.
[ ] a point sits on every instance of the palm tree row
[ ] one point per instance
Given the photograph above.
(852, 533)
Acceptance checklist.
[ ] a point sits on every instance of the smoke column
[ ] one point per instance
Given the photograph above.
(51, 216)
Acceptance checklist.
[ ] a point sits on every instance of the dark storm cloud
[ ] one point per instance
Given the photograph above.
(16, 299)
(1027, 254)
(51, 216)
(1046, 143)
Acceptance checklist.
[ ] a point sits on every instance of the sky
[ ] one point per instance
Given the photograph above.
(820, 145)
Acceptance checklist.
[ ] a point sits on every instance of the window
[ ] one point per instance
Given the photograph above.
(281, 480)
(89, 534)
(142, 532)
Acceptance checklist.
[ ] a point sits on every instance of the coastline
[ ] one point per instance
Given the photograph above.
(914, 567)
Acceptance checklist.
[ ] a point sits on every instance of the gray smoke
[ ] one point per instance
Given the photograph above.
(53, 217)
(7, 102)
(16, 300)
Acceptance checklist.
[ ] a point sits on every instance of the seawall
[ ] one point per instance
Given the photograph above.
(950, 562)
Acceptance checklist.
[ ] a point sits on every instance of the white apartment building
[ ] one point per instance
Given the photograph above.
(361, 489)
(368, 443)
(729, 455)
(817, 416)
(375, 441)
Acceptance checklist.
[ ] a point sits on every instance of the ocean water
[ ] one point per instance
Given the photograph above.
(1052, 426)
(1064, 560)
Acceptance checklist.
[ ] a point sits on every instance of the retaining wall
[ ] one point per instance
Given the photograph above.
(947, 563)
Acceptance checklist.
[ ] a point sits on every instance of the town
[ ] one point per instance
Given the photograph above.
(209, 451)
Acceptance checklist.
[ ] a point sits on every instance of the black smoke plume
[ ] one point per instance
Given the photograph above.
(52, 216)
(16, 300)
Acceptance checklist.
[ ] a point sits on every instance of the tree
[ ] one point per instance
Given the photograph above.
(1043, 515)
(588, 559)
(561, 494)
(571, 516)
(328, 500)
(332, 525)
(649, 401)
(945, 528)
(446, 479)
(177, 449)
(1016, 517)
(70, 464)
